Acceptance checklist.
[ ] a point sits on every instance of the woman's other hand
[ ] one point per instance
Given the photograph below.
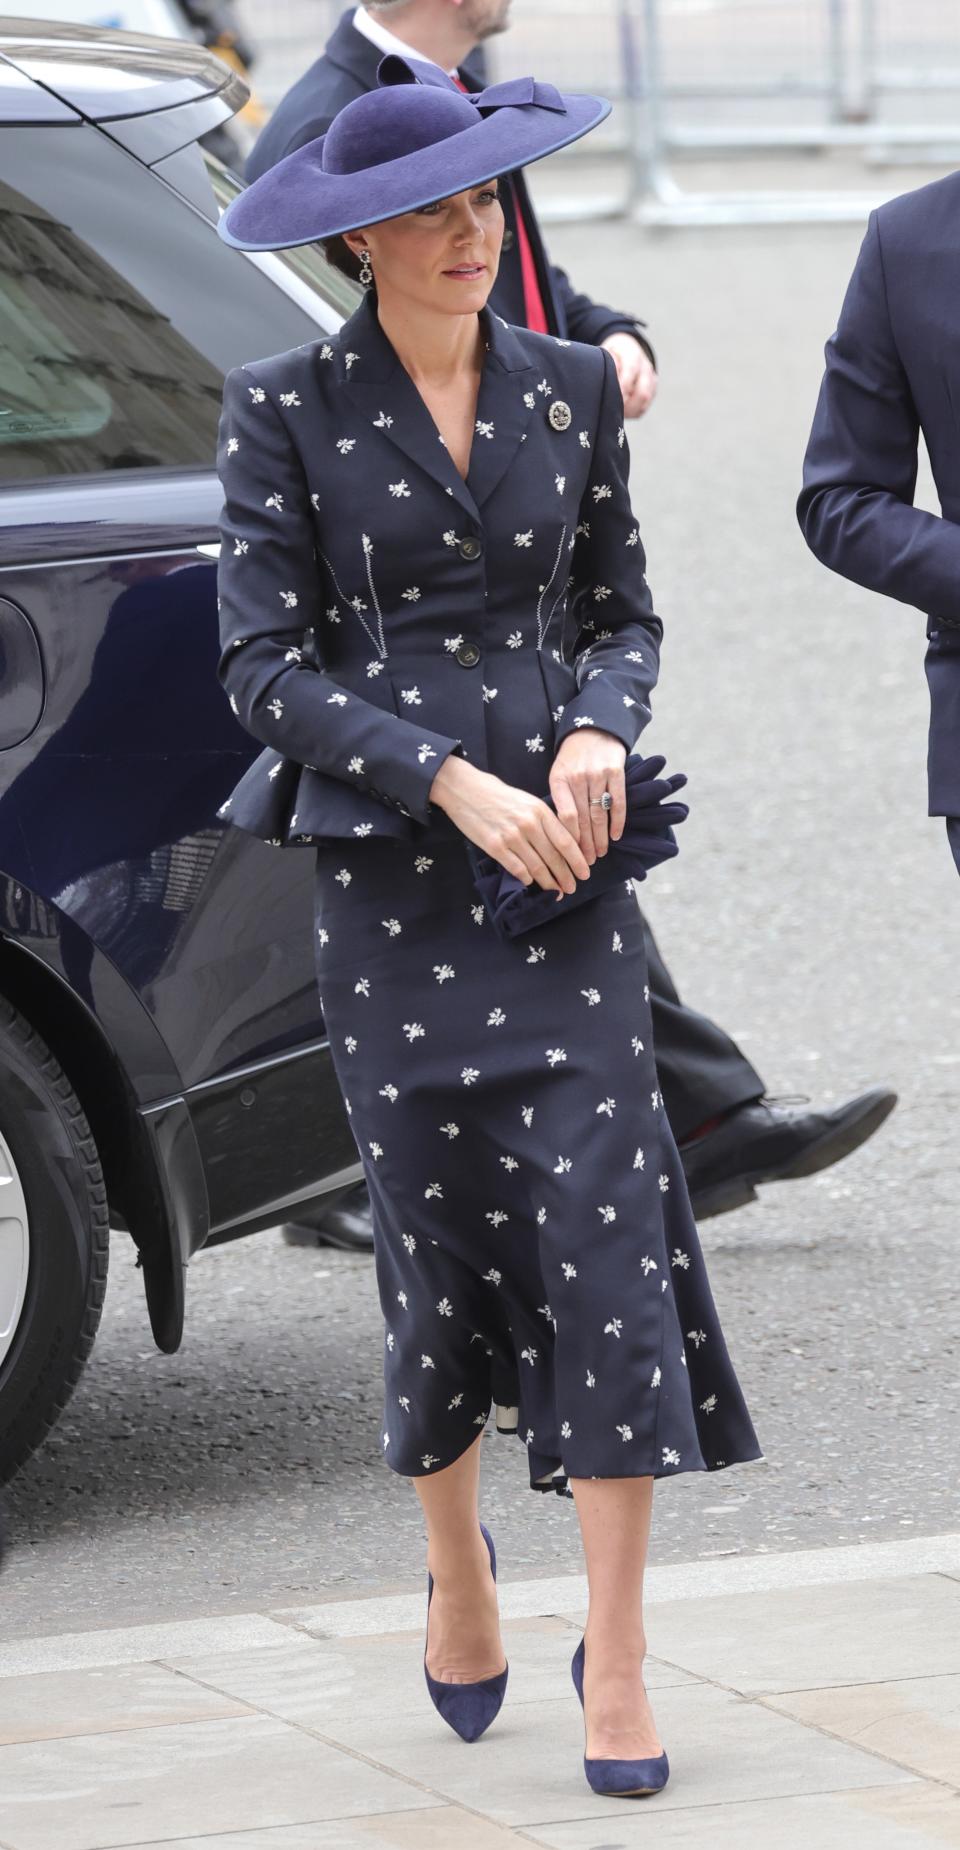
(518, 829)
(589, 762)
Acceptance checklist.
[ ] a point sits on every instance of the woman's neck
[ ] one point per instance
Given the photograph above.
(433, 349)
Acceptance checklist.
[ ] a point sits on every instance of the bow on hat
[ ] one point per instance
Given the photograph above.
(513, 93)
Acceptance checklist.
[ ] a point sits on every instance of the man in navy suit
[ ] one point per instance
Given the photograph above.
(732, 1136)
(529, 291)
(893, 371)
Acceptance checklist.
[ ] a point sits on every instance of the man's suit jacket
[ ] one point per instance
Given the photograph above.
(378, 612)
(348, 69)
(893, 370)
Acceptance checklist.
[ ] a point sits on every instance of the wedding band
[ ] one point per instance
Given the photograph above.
(605, 802)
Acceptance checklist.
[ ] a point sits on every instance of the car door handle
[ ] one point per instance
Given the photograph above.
(210, 551)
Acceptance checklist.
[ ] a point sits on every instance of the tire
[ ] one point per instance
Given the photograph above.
(54, 1239)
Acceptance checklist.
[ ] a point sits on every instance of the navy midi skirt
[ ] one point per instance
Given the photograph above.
(535, 1248)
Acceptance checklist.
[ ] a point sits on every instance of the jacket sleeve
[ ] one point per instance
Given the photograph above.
(269, 596)
(860, 472)
(618, 642)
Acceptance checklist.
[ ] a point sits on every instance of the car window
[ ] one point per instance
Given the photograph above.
(120, 312)
(305, 261)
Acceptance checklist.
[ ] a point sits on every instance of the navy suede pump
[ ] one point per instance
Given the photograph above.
(619, 1779)
(469, 1708)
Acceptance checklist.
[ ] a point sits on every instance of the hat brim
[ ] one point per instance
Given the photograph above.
(296, 202)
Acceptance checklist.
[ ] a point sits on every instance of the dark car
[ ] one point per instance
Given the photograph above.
(163, 1064)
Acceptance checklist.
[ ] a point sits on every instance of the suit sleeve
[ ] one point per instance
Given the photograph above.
(860, 472)
(618, 642)
(269, 595)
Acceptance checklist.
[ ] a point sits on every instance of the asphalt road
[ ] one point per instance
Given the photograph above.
(814, 910)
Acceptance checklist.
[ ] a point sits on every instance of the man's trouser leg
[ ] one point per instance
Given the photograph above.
(702, 1072)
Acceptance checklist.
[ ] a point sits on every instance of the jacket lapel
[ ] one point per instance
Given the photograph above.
(383, 391)
(507, 402)
(381, 388)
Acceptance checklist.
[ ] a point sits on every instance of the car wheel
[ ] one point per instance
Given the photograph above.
(54, 1236)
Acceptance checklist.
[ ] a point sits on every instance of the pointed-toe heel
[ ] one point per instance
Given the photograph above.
(619, 1779)
(468, 1708)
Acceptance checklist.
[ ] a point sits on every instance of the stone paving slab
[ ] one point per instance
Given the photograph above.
(826, 1712)
(78, 1702)
(886, 1818)
(96, 1792)
(445, 1828)
(915, 1721)
(813, 1636)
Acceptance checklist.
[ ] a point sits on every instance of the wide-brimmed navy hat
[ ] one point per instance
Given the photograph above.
(415, 139)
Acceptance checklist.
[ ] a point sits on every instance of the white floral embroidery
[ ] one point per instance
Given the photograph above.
(469, 1073)
(275, 706)
(614, 1327)
(524, 539)
(411, 696)
(382, 421)
(450, 1130)
(555, 1055)
(607, 1214)
(569, 1270)
(433, 1191)
(412, 595)
(424, 752)
(274, 501)
(563, 1165)
(489, 693)
(392, 927)
(346, 444)
(355, 764)
(602, 491)
(390, 1092)
(496, 1018)
(670, 1457)
(240, 547)
(443, 972)
(535, 744)
(515, 639)
(399, 490)
(626, 1432)
(592, 996)
(496, 1216)
(257, 394)
(560, 482)
(483, 427)
(233, 444)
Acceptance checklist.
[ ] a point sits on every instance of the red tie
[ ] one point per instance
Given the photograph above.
(534, 312)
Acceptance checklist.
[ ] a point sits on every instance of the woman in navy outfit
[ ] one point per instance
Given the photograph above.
(435, 617)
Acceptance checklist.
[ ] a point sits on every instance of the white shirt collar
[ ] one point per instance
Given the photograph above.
(379, 35)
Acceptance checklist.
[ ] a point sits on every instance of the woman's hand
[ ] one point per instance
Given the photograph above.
(518, 829)
(589, 762)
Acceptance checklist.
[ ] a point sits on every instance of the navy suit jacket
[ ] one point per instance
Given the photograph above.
(893, 370)
(348, 69)
(378, 612)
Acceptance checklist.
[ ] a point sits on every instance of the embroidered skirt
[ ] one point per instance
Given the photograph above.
(534, 1243)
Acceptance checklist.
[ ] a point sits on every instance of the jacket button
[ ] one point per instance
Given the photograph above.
(468, 655)
(470, 547)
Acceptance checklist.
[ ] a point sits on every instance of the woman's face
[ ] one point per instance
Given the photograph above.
(443, 257)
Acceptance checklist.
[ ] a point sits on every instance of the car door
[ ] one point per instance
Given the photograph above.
(120, 311)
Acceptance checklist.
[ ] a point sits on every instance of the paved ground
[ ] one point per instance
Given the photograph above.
(801, 1698)
(813, 909)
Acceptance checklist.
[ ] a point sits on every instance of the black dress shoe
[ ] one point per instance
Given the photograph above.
(345, 1223)
(767, 1141)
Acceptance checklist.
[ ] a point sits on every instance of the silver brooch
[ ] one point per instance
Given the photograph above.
(560, 415)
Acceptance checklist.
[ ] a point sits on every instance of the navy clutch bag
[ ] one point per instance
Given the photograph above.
(647, 839)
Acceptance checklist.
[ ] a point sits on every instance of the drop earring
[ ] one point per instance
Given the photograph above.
(366, 274)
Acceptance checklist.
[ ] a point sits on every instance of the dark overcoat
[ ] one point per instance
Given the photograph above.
(346, 69)
(893, 371)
